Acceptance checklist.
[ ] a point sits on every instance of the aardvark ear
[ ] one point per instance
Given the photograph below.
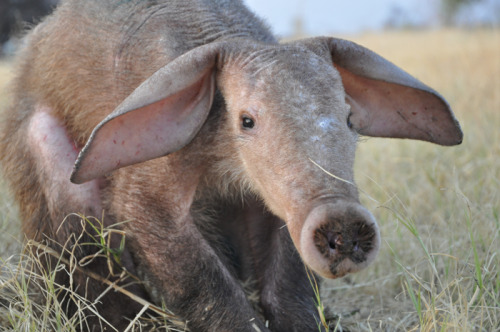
(161, 116)
(388, 102)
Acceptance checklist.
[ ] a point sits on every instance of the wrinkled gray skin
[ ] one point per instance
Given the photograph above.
(224, 133)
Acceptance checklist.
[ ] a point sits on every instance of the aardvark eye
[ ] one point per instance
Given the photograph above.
(247, 122)
(349, 123)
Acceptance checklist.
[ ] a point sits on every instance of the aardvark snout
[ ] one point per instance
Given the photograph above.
(339, 238)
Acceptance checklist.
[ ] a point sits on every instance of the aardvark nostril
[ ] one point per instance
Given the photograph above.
(365, 237)
(334, 240)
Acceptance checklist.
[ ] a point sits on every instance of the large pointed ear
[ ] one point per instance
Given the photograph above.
(388, 102)
(161, 116)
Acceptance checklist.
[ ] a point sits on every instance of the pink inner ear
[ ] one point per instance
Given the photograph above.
(148, 132)
(391, 110)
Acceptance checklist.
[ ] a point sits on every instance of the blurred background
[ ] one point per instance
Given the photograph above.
(315, 17)
(16, 16)
(304, 17)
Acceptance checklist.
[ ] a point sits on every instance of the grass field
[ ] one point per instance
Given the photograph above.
(438, 208)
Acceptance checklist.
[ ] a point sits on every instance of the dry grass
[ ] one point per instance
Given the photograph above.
(438, 208)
